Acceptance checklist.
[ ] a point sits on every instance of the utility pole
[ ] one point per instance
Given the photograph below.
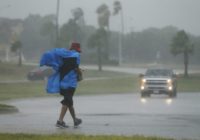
(121, 37)
(57, 22)
(118, 9)
(7, 48)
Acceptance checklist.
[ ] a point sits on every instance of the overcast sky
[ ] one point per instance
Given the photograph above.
(138, 14)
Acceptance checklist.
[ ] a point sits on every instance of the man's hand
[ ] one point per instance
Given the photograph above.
(79, 74)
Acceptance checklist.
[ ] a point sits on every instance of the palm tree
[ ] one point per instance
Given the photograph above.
(103, 13)
(181, 44)
(117, 7)
(98, 40)
(17, 48)
(103, 16)
(70, 32)
(78, 16)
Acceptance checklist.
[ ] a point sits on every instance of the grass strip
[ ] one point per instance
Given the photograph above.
(73, 137)
(118, 84)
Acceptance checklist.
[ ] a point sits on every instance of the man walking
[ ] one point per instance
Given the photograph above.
(66, 64)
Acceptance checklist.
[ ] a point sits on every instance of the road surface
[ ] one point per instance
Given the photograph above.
(119, 114)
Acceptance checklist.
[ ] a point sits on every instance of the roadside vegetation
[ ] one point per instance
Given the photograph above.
(13, 71)
(95, 82)
(73, 137)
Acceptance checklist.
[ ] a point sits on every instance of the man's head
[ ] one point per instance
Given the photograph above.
(75, 46)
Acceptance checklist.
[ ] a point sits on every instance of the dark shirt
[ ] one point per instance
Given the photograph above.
(68, 65)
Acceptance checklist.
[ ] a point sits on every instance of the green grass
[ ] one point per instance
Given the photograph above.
(37, 89)
(190, 84)
(110, 82)
(22, 90)
(114, 84)
(73, 137)
(95, 73)
(5, 106)
(111, 85)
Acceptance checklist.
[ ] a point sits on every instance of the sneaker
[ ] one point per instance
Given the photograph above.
(77, 122)
(61, 124)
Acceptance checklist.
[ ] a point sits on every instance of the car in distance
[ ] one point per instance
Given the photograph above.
(158, 81)
(39, 73)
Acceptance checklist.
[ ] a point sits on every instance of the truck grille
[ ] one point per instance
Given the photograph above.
(156, 88)
(156, 82)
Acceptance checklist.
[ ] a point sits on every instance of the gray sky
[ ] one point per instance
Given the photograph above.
(138, 14)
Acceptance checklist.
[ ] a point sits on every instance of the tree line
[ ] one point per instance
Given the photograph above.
(100, 45)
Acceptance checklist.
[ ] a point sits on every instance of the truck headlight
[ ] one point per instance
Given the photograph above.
(144, 81)
(142, 87)
(169, 81)
(170, 88)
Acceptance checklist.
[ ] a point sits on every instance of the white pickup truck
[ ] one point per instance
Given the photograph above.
(158, 81)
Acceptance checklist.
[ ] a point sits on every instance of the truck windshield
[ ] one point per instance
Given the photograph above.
(158, 72)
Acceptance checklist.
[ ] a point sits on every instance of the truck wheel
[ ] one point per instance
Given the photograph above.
(142, 94)
(145, 94)
(173, 94)
(148, 95)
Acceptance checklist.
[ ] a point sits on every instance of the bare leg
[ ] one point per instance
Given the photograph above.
(76, 120)
(72, 112)
(63, 112)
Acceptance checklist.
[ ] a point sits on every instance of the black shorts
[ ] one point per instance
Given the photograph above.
(68, 96)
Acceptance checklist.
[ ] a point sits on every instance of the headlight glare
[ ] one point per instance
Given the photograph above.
(142, 87)
(170, 87)
(144, 80)
(169, 81)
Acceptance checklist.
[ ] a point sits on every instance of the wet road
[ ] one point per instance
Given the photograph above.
(110, 114)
